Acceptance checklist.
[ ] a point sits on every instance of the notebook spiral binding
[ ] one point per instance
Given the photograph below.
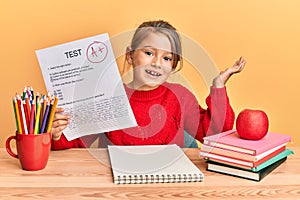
(173, 178)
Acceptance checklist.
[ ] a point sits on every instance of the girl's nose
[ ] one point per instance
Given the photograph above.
(155, 65)
(156, 62)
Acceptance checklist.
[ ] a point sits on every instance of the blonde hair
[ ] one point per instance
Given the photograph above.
(165, 28)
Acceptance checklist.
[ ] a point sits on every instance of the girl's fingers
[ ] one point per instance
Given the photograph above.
(59, 123)
(56, 133)
(58, 130)
(59, 109)
(59, 116)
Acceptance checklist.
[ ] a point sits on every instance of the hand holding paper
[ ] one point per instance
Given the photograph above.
(60, 123)
(85, 77)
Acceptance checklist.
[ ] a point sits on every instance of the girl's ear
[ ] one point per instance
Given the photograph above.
(129, 55)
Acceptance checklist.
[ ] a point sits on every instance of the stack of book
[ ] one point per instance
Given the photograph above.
(227, 153)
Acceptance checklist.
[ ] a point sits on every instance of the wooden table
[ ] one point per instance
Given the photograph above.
(76, 174)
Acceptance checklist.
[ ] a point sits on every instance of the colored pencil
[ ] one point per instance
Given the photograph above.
(34, 113)
(19, 101)
(51, 117)
(29, 92)
(45, 118)
(27, 103)
(32, 92)
(27, 116)
(37, 96)
(43, 108)
(37, 118)
(17, 114)
(23, 118)
(24, 93)
(31, 128)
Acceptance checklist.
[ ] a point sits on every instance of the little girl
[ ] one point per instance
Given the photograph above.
(163, 111)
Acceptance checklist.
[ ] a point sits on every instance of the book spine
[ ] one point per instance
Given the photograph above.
(231, 164)
(233, 171)
(225, 159)
(229, 147)
(245, 157)
(240, 162)
(227, 153)
(256, 176)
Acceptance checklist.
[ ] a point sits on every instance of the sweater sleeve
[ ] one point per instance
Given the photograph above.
(63, 143)
(221, 113)
(82, 142)
(218, 116)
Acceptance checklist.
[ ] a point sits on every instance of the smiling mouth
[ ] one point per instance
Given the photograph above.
(152, 73)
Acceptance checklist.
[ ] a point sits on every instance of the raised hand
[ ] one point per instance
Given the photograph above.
(224, 76)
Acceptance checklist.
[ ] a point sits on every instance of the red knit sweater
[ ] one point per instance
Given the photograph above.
(162, 115)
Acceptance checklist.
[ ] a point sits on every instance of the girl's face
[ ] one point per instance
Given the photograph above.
(152, 62)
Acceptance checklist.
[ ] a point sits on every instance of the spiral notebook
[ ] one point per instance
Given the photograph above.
(152, 164)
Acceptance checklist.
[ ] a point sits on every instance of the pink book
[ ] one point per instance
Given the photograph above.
(230, 140)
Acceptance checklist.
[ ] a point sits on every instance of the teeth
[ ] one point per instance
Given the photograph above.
(153, 73)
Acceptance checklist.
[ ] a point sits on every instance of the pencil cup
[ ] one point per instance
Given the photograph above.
(32, 150)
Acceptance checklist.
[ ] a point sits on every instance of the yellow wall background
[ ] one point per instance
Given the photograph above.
(266, 33)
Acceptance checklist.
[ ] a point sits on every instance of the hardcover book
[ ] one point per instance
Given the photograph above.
(256, 176)
(241, 162)
(230, 140)
(272, 160)
(207, 150)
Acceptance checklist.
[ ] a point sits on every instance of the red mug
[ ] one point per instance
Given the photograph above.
(32, 150)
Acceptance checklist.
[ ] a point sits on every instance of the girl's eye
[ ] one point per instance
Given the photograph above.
(167, 58)
(149, 53)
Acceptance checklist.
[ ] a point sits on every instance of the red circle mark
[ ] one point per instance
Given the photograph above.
(96, 52)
